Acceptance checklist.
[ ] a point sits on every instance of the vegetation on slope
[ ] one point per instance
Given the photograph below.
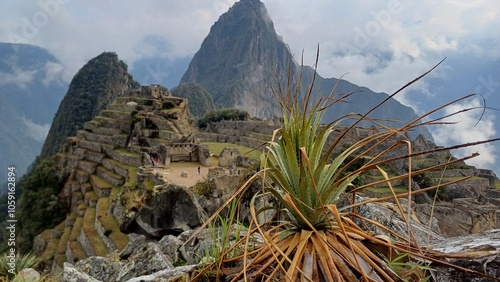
(200, 102)
(39, 208)
(224, 114)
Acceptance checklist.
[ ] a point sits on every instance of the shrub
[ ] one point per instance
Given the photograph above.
(224, 114)
(22, 262)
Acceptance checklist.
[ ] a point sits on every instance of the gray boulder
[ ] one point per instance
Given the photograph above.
(483, 255)
(181, 273)
(100, 268)
(72, 274)
(148, 261)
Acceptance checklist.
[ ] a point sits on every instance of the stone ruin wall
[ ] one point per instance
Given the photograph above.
(183, 152)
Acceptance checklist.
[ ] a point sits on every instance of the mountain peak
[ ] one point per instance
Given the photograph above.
(102, 79)
(240, 57)
(248, 14)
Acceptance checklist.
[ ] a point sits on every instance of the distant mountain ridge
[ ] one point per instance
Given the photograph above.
(243, 58)
(30, 90)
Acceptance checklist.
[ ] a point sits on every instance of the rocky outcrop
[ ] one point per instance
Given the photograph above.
(153, 261)
(480, 252)
(460, 217)
(171, 211)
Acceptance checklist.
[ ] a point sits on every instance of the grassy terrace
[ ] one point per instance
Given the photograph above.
(91, 196)
(114, 193)
(75, 231)
(60, 255)
(132, 177)
(102, 206)
(77, 250)
(110, 224)
(112, 230)
(148, 184)
(99, 182)
(112, 174)
(50, 250)
(126, 152)
(75, 246)
(132, 172)
(216, 148)
(96, 242)
(262, 136)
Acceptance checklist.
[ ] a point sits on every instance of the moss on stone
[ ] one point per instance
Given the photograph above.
(200, 188)
(148, 184)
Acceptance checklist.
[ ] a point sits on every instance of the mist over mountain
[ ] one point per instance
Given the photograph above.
(102, 79)
(159, 70)
(30, 90)
(242, 59)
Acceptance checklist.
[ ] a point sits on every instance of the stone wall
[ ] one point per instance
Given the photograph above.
(182, 152)
(228, 157)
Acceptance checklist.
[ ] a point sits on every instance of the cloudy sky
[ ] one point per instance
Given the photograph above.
(379, 44)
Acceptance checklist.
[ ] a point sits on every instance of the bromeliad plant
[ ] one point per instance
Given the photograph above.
(313, 239)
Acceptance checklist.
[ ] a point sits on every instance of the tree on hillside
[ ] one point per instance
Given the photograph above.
(224, 114)
(39, 207)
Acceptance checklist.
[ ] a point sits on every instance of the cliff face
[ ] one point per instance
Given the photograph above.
(95, 85)
(242, 60)
(239, 59)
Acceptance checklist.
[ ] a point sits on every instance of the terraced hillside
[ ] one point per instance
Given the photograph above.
(107, 170)
(103, 160)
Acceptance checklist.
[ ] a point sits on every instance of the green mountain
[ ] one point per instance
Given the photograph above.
(242, 59)
(95, 85)
(200, 102)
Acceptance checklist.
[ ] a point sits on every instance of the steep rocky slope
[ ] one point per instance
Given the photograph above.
(242, 59)
(97, 83)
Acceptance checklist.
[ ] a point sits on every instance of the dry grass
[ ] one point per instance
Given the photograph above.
(311, 239)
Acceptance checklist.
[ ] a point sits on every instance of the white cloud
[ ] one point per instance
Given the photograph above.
(468, 129)
(53, 73)
(34, 130)
(425, 31)
(18, 77)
